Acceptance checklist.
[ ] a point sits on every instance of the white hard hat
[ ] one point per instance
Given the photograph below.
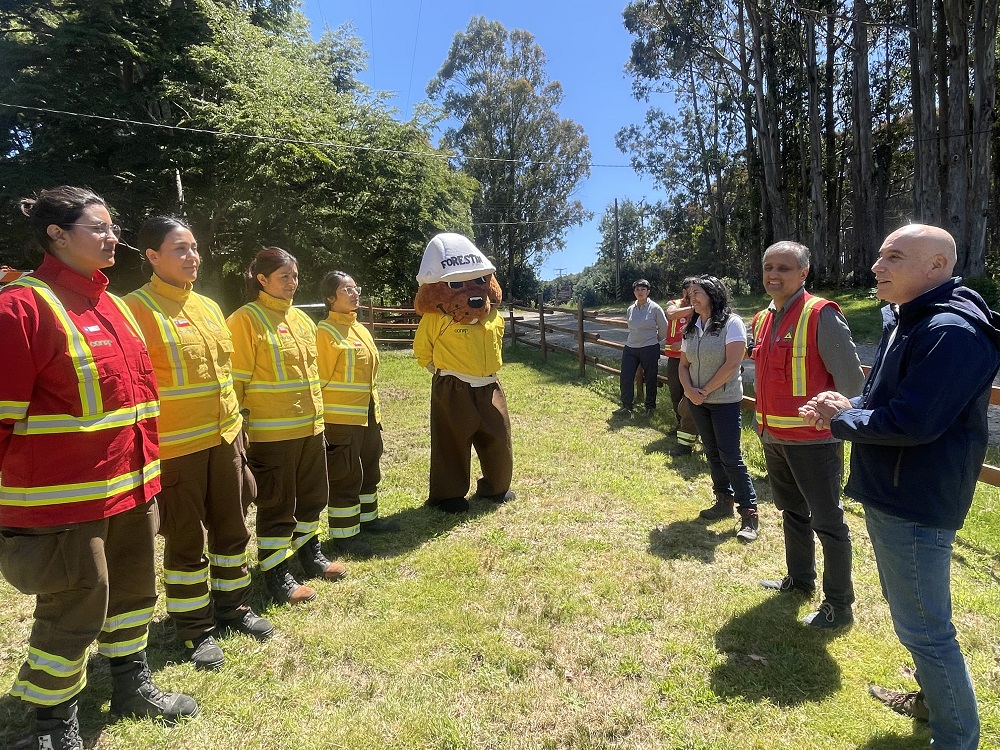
(452, 257)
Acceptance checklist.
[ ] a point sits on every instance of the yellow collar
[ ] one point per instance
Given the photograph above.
(344, 319)
(273, 303)
(174, 293)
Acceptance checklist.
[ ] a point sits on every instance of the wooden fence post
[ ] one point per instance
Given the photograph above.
(541, 326)
(581, 351)
(371, 316)
(513, 326)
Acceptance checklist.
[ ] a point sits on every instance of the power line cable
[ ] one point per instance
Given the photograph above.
(294, 141)
(413, 59)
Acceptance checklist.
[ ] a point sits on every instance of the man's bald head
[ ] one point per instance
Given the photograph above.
(912, 260)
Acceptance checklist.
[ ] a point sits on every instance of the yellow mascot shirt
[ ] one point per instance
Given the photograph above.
(475, 350)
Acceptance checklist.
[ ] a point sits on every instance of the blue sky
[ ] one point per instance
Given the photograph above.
(586, 46)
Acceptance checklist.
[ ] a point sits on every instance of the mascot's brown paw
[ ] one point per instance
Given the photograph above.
(450, 504)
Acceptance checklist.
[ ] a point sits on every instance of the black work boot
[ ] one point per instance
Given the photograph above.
(315, 564)
(283, 587)
(723, 508)
(56, 728)
(749, 524)
(134, 694)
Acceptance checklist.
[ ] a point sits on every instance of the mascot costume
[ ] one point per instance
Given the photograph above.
(460, 340)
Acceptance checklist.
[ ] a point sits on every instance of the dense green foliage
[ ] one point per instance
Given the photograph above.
(324, 170)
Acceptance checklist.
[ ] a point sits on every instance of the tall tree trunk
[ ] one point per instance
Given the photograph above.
(817, 204)
(944, 107)
(765, 96)
(865, 239)
(984, 73)
(712, 192)
(958, 142)
(756, 241)
(926, 187)
(831, 170)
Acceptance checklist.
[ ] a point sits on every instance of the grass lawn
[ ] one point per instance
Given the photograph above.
(593, 612)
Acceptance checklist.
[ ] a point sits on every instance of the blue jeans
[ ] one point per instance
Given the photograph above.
(719, 428)
(914, 567)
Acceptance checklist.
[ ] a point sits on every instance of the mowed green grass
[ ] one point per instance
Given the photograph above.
(593, 612)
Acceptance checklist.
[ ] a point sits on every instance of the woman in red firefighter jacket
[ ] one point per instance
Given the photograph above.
(348, 367)
(277, 383)
(206, 484)
(78, 471)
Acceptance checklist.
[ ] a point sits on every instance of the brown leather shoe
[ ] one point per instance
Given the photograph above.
(907, 704)
(283, 587)
(315, 564)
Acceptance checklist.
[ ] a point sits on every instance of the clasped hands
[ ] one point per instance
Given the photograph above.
(819, 410)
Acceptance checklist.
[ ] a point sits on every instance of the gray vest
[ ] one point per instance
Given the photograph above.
(707, 354)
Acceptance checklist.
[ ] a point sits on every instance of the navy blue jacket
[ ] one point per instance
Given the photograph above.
(918, 430)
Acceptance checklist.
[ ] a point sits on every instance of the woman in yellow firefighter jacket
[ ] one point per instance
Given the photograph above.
(78, 471)
(348, 366)
(206, 485)
(277, 384)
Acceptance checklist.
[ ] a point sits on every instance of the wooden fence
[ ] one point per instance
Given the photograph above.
(988, 474)
(402, 323)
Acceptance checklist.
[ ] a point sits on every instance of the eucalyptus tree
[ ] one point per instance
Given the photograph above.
(954, 79)
(505, 128)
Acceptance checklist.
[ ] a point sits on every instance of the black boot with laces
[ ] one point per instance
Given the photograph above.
(134, 694)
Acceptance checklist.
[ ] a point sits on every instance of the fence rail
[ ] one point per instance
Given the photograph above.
(405, 319)
(988, 474)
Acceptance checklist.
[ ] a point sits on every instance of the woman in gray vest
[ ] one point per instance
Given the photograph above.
(714, 344)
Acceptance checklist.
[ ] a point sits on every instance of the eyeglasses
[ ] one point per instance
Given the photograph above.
(641, 286)
(102, 229)
(352, 289)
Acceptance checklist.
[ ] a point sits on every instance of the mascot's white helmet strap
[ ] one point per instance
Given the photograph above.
(452, 257)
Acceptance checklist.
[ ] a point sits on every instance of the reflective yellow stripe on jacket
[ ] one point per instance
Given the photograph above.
(93, 417)
(800, 351)
(199, 409)
(346, 398)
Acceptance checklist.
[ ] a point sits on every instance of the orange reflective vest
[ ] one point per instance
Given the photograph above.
(675, 332)
(789, 370)
(78, 402)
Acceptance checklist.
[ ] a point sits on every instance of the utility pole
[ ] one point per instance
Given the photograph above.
(641, 211)
(559, 273)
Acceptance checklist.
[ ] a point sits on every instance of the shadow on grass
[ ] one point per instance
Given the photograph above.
(919, 739)
(771, 657)
(687, 539)
(417, 525)
(17, 717)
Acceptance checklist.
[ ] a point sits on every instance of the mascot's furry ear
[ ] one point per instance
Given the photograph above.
(496, 293)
